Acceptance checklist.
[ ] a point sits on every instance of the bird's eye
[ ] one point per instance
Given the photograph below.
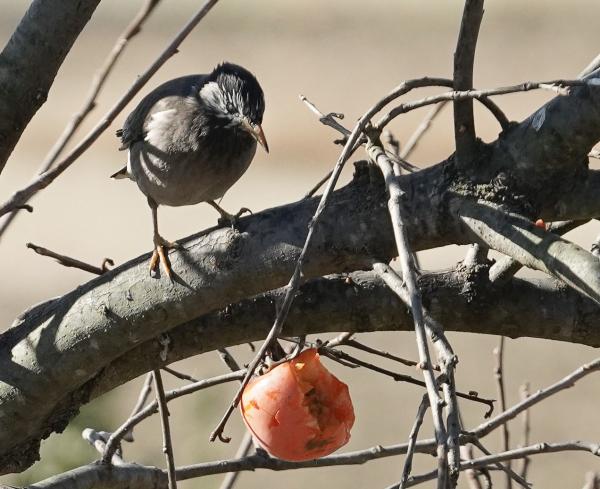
(230, 108)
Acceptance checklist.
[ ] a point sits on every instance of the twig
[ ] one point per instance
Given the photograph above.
(350, 361)
(412, 142)
(504, 467)
(383, 354)
(526, 430)
(166, 429)
(499, 376)
(179, 375)
(466, 453)
(142, 398)
(228, 359)
(351, 145)
(379, 157)
(150, 409)
(99, 443)
(464, 56)
(72, 262)
(569, 381)
(42, 181)
(473, 94)
(517, 453)
(254, 462)
(330, 121)
(412, 439)
(243, 450)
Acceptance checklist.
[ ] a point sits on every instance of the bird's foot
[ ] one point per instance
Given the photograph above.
(228, 219)
(159, 255)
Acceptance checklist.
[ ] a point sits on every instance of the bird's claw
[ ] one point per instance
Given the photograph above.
(159, 255)
(228, 219)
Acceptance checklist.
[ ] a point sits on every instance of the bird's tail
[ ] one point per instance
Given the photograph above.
(122, 173)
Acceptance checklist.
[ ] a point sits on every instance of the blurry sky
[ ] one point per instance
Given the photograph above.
(343, 55)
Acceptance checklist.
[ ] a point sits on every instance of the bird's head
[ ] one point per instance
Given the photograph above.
(233, 95)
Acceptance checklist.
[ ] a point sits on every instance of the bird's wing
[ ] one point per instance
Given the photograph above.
(157, 102)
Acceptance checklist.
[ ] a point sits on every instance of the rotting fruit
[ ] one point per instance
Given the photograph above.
(298, 410)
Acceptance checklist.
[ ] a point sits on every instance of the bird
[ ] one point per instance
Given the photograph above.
(190, 139)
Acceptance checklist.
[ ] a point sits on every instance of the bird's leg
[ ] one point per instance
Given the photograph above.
(226, 217)
(159, 244)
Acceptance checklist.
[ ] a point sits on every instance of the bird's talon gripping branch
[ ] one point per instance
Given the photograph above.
(226, 218)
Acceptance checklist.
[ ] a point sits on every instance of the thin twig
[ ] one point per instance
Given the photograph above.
(228, 359)
(504, 467)
(116, 437)
(423, 127)
(99, 443)
(466, 453)
(179, 375)
(374, 351)
(412, 439)
(464, 56)
(569, 381)
(517, 453)
(42, 181)
(379, 157)
(166, 429)
(474, 94)
(254, 462)
(351, 361)
(499, 376)
(243, 450)
(67, 261)
(526, 430)
(142, 398)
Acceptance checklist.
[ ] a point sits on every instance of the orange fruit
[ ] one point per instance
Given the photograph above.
(298, 410)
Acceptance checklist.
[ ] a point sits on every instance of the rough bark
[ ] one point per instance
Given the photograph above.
(30, 60)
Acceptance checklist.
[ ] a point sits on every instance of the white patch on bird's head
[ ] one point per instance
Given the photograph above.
(225, 104)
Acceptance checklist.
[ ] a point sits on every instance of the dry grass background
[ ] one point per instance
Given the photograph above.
(343, 55)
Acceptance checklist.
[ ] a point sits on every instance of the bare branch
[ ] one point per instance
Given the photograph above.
(464, 56)
(72, 262)
(412, 439)
(166, 429)
(569, 381)
(477, 94)
(379, 157)
(423, 127)
(113, 442)
(499, 375)
(526, 430)
(30, 61)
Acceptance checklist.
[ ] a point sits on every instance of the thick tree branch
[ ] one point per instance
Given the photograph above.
(30, 60)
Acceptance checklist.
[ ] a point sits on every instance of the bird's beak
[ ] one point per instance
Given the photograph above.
(257, 133)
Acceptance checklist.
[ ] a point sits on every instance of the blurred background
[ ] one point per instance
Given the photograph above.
(343, 55)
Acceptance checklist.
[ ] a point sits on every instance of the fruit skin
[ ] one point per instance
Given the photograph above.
(298, 410)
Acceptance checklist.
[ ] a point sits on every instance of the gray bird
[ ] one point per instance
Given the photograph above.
(191, 139)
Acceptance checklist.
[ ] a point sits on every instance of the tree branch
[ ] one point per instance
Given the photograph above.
(30, 60)
(464, 56)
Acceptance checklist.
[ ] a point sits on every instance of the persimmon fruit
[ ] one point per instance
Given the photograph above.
(298, 410)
